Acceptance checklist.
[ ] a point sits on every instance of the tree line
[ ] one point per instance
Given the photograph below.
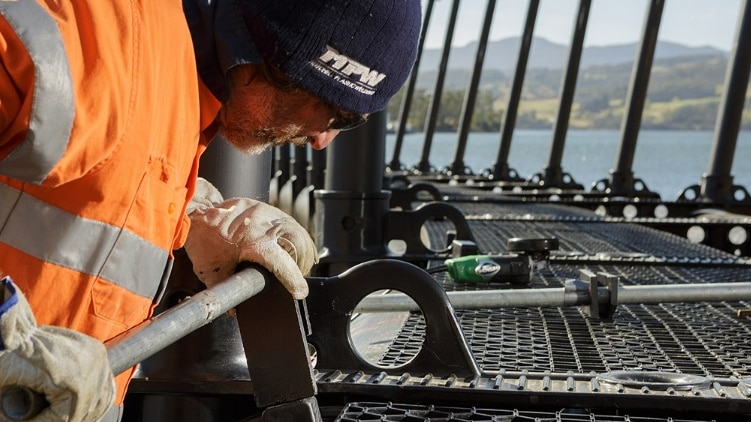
(683, 94)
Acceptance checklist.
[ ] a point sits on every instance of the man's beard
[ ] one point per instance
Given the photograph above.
(255, 141)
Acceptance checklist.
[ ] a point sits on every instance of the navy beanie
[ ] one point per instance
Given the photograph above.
(353, 54)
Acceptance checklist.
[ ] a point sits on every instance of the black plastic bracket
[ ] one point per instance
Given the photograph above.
(404, 197)
(407, 225)
(272, 327)
(332, 301)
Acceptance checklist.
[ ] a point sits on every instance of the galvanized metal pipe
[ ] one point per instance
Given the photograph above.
(155, 334)
(562, 297)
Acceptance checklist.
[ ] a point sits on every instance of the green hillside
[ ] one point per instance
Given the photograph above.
(684, 94)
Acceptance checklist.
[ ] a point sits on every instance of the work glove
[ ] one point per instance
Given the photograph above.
(224, 233)
(68, 368)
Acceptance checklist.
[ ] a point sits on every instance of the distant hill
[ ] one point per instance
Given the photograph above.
(502, 54)
(684, 94)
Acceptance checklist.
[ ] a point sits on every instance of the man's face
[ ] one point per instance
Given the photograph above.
(260, 114)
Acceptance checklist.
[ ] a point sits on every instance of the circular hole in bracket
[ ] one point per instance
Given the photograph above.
(434, 234)
(387, 329)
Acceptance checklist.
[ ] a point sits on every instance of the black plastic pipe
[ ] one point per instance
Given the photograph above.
(457, 165)
(501, 169)
(409, 92)
(717, 183)
(621, 177)
(351, 211)
(553, 173)
(424, 164)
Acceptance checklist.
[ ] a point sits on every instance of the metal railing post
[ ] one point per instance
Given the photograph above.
(409, 91)
(621, 179)
(717, 183)
(553, 175)
(457, 165)
(424, 164)
(501, 170)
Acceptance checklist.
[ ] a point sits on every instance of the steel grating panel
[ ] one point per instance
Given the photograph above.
(696, 338)
(476, 209)
(556, 354)
(586, 239)
(371, 411)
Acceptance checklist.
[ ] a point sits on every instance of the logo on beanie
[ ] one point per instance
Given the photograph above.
(348, 71)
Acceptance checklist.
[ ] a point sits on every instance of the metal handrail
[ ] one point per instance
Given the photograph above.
(562, 297)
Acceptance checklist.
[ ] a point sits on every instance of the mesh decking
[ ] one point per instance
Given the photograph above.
(564, 344)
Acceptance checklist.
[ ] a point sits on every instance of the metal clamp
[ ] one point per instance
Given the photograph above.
(603, 285)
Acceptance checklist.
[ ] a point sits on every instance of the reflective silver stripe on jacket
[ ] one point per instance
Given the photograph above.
(53, 106)
(87, 246)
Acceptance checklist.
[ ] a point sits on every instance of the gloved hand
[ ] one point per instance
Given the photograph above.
(242, 229)
(69, 368)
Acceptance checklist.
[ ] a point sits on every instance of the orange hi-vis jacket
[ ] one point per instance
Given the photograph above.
(101, 119)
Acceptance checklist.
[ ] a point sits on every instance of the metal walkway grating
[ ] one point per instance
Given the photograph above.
(698, 339)
(370, 411)
(557, 354)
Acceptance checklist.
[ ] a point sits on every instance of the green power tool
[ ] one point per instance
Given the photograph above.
(489, 269)
(518, 267)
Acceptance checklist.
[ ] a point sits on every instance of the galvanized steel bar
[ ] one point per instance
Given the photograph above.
(457, 165)
(153, 335)
(562, 297)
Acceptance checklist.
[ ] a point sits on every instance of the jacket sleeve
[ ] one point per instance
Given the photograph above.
(16, 83)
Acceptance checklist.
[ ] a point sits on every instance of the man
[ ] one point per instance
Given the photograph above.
(105, 109)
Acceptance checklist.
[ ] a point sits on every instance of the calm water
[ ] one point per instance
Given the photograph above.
(667, 161)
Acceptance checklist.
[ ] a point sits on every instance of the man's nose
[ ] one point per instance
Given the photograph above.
(323, 139)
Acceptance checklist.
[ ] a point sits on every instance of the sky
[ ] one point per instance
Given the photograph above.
(689, 22)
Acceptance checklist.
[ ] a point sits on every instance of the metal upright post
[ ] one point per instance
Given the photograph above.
(501, 169)
(717, 183)
(409, 91)
(553, 174)
(297, 181)
(317, 173)
(424, 164)
(281, 172)
(457, 166)
(621, 178)
(354, 203)
(235, 173)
